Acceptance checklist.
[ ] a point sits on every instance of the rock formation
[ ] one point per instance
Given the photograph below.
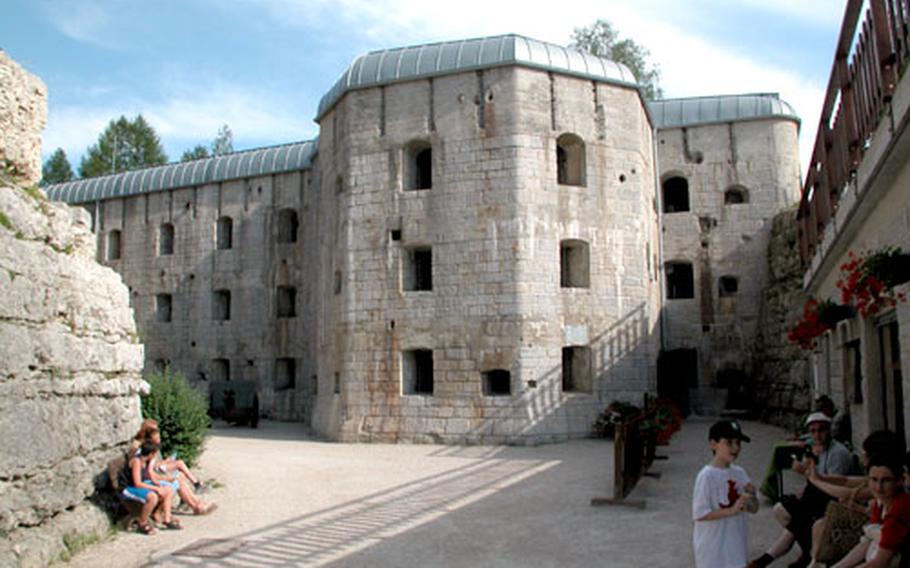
(70, 359)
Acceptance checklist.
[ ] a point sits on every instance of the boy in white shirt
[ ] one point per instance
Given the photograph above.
(723, 492)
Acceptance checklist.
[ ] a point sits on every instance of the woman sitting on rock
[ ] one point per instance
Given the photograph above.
(138, 487)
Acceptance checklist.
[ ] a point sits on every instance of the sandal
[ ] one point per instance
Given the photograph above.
(173, 525)
(146, 528)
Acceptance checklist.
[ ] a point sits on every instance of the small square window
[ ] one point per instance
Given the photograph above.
(497, 382)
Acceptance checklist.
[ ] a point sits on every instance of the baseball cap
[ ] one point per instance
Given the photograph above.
(818, 417)
(729, 429)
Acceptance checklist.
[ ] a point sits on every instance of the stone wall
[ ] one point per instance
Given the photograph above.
(70, 359)
(782, 375)
(23, 114)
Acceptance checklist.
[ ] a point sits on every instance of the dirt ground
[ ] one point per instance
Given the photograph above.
(288, 500)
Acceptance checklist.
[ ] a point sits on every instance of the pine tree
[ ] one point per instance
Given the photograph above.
(124, 145)
(602, 40)
(196, 153)
(57, 168)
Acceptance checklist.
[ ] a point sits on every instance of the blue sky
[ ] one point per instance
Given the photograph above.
(261, 66)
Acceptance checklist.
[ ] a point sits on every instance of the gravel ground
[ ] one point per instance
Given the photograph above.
(288, 500)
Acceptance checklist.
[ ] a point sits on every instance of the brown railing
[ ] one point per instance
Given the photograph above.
(859, 89)
(634, 450)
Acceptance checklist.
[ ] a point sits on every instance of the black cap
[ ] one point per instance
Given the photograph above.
(728, 429)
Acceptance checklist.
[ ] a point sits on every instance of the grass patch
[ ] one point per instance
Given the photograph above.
(76, 543)
(5, 222)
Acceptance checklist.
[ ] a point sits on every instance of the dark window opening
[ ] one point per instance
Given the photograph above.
(113, 245)
(288, 226)
(224, 233)
(417, 372)
(418, 170)
(314, 381)
(497, 382)
(221, 305)
(680, 280)
(574, 264)
(163, 307)
(287, 302)
(418, 269)
(676, 195)
(165, 239)
(735, 196)
(221, 369)
(338, 282)
(570, 160)
(728, 286)
(576, 369)
(337, 389)
(285, 374)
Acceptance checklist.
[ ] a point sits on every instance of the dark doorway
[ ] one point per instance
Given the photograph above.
(677, 372)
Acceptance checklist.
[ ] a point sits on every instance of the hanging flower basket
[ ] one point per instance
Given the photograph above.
(868, 281)
(829, 313)
(809, 326)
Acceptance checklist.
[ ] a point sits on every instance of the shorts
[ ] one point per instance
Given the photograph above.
(139, 494)
(175, 484)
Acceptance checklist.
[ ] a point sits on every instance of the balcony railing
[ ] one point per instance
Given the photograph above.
(872, 51)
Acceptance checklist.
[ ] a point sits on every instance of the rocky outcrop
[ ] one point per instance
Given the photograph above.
(782, 380)
(23, 114)
(70, 359)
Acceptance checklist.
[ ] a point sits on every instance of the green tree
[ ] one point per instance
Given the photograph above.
(602, 40)
(181, 412)
(224, 142)
(124, 145)
(196, 153)
(57, 168)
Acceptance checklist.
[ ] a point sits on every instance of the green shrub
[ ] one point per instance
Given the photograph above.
(181, 412)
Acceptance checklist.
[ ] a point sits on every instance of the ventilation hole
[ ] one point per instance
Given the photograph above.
(192, 276)
(395, 234)
(490, 96)
(192, 344)
(284, 261)
(250, 363)
(532, 384)
(622, 178)
(259, 189)
(188, 205)
(633, 171)
(163, 273)
(705, 328)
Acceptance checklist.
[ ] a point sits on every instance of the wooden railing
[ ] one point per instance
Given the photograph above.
(634, 450)
(859, 90)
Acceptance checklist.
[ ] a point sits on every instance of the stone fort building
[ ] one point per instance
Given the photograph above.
(489, 241)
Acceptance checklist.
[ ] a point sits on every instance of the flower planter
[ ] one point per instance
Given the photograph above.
(831, 314)
(891, 268)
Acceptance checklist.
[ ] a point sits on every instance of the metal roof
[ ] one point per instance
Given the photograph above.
(250, 163)
(693, 111)
(431, 60)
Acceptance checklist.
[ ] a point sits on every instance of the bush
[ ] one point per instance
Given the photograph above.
(181, 412)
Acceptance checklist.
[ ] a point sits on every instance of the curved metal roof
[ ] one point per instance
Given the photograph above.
(692, 111)
(250, 163)
(434, 59)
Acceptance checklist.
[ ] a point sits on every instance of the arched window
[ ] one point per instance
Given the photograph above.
(736, 195)
(418, 166)
(574, 264)
(113, 245)
(676, 195)
(570, 160)
(287, 226)
(165, 239)
(224, 233)
(680, 280)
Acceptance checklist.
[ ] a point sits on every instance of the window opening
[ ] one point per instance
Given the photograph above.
(285, 374)
(221, 369)
(418, 269)
(418, 170)
(680, 280)
(165, 239)
(163, 307)
(287, 302)
(288, 226)
(576, 369)
(570, 160)
(497, 382)
(113, 245)
(224, 230)
(729, 286)
(221, 305)
(417, 372)
(676, 195)
(574, 264)
(735, 196)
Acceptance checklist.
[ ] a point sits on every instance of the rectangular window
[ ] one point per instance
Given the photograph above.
(285, 374)
(221, 369)
(497, 382)
(417, 372)
(224, 233)
(221, 305)
(576, 369)
(680, 281)
(574, 264)
(163, 307)
(287, 302)
(113, 245)
(418, 269)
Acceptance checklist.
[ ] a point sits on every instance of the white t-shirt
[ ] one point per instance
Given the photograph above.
(721, 543)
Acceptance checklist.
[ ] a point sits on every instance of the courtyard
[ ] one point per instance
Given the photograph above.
(286, 499)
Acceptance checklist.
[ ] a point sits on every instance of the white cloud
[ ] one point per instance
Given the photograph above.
(86, 21)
